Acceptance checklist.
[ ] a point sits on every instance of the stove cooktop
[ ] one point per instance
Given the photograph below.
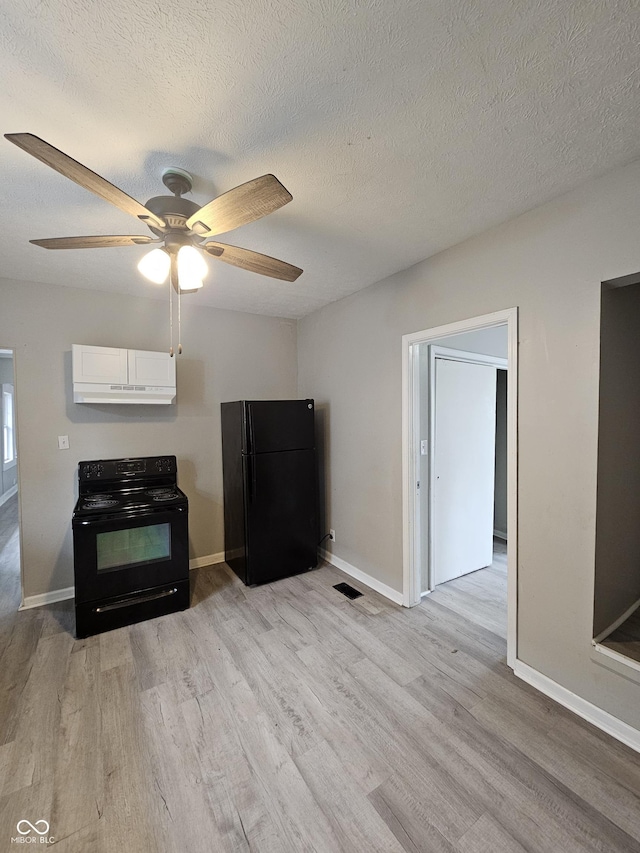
(127, 500)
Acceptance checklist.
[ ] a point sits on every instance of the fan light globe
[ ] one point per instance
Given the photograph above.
(192, 268)
(155, 266)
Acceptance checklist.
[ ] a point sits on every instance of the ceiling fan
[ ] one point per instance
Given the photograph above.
(178, 224)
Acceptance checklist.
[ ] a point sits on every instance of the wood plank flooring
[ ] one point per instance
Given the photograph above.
(287, 718)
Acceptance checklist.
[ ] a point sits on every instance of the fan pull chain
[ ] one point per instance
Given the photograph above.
(179, 321)
(170, 316)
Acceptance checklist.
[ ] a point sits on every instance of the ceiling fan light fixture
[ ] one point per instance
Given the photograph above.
(191, 265)
(155, 266)
(190, 285)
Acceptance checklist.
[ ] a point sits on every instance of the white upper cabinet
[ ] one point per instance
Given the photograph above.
(108, 375)
(151, 368)
(99, 364)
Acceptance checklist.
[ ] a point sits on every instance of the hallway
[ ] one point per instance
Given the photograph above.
(9, 556)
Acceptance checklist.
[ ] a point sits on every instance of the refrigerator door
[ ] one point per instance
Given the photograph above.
(282, 514)
(277, 425)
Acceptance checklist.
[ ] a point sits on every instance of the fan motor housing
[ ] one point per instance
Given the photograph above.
(173, 209)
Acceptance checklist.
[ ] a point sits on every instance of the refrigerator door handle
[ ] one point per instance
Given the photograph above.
(251, 477)
(250, 425)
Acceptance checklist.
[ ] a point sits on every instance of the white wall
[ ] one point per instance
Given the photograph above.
(227, 356)
(550, 263)
(493, 341)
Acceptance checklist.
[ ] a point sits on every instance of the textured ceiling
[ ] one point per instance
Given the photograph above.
(400, 126)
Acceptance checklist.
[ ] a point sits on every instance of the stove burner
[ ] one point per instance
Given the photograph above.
(100, 504)
(97, 498)
(167, 492)
(166, 497)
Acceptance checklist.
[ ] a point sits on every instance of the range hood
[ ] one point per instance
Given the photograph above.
(111, 375)
(89, 392)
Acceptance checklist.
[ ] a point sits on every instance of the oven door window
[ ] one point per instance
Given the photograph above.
(134, 546)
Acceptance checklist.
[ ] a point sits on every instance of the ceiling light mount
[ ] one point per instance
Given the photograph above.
(177, 181)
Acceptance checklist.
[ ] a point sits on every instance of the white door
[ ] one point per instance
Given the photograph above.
(463, 470)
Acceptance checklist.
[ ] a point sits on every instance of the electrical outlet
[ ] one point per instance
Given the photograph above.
(332, 535)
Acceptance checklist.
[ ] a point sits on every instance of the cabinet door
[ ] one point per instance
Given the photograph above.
(151, 368)
(105, 365)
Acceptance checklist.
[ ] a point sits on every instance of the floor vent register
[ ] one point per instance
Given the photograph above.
(347, 590)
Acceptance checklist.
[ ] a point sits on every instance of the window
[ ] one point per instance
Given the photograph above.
(8, 428)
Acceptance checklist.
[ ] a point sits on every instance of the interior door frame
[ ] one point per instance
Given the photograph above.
(449, 354)
(410, 458)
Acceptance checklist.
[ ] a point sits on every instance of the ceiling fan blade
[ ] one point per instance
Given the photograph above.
(92, 242)
(253, 261)
(240, 206)
(83, 176)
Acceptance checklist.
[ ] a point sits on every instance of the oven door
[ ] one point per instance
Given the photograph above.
(119, 555)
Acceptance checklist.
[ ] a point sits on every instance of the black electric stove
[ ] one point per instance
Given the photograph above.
(130, 542)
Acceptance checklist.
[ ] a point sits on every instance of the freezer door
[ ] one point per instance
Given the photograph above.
(278, 425)
(282, 514)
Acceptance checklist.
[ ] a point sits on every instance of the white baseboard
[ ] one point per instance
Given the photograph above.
(8, 494)
(604, 634)
(363, 577)
(603, 720)
(209, 560)
(500, 534)
(47, 598)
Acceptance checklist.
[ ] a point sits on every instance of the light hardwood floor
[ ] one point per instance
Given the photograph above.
(287, 718)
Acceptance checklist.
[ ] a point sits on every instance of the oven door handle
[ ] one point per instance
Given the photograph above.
(124, 516)
(135, 599)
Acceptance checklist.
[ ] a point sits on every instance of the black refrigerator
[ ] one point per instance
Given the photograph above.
(271, 523)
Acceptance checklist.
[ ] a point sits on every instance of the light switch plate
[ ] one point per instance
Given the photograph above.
(424, 447)
(63, 442)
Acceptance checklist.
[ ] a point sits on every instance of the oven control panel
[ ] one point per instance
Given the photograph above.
(91, 470)
(123, 469)
(131, 466)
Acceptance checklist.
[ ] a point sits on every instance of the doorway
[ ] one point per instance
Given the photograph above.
(10, 580)
(458, 457)
(446, 370)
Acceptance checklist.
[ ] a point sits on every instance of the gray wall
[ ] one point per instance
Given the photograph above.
(227, 356)
(548, 262)
(617, 579)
